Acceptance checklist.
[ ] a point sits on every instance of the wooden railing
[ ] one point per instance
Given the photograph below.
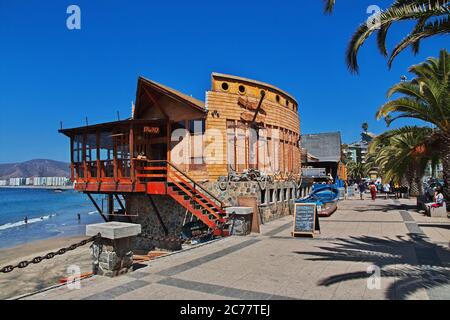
(167, 167)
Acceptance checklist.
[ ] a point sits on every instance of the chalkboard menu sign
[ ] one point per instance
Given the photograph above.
(306, 220)
(341, 193)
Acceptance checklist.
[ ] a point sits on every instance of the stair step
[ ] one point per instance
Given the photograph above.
(207, 204)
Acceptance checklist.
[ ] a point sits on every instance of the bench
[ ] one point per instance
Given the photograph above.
(384, 195)
(439, 212)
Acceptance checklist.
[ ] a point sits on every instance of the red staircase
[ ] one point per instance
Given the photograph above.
(163, 178)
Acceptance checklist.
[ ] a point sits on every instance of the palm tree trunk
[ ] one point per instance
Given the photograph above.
(407, 180)
(414, 186)
(445, 157)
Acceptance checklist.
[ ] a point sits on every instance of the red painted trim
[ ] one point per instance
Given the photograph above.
(195, 191)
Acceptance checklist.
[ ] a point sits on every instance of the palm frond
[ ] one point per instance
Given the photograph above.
(329, 6)
(408, 10)
(437, 27)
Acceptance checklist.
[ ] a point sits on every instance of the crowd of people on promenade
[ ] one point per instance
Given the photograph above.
(377, 187)
(436, 197)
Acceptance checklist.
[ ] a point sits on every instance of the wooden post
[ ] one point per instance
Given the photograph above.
(85, 173)
(115, 158)
(97, 144)
(132, 173)
(168, 153)
(168, 140)
(110, 205)
(72, 173)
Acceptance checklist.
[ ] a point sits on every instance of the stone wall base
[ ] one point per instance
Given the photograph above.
(274, 200)
(112, 257)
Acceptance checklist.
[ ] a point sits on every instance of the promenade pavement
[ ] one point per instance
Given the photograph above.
(409, 250)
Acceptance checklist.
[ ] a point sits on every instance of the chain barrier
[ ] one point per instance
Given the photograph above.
(51, 255)
(48, 256)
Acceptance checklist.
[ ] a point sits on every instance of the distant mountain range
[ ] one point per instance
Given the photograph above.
(35, 168)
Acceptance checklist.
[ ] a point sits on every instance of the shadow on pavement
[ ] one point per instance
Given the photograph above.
(428, 268)
(428, 225)
(381, 207)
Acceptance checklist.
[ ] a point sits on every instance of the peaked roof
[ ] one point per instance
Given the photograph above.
(170, 92)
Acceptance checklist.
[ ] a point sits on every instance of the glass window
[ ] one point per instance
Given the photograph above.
(106, 146)
(271, 198)
(78, 148)
(91, 147)
(263, 196)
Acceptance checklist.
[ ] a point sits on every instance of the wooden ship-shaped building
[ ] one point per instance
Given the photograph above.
(178, 156)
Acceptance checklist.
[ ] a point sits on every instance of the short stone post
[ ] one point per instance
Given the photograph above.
(113, 253)
(239, 228)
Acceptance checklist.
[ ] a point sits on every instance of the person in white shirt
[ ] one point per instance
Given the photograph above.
(438, 199)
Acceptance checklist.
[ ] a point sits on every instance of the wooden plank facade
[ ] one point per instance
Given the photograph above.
(244, 124)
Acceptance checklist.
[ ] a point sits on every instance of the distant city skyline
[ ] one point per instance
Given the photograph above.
(51, 74)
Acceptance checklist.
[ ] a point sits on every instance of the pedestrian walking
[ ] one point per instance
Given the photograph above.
(373, 190)
(362, 189)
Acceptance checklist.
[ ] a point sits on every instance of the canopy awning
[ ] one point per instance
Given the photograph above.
(109, 126)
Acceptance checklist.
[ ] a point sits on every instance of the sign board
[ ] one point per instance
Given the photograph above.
(350, 192)
(306, 220)
(253, 203)
(314, 172)
(341, 193)
(152, 130)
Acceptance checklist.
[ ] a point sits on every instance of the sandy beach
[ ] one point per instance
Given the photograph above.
(42, 275)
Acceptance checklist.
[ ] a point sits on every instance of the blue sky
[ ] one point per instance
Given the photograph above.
(50, 74)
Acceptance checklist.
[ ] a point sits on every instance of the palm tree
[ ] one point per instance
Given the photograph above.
(427, 98)
(365, 127)
(431, 18)
(405, 153)
(357, 171)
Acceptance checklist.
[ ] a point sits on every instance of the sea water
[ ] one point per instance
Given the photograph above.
(50, 214)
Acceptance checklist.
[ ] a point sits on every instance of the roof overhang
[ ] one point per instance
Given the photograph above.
(107, 126)
(146, 85)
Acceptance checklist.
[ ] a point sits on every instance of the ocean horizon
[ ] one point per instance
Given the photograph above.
(50, 214)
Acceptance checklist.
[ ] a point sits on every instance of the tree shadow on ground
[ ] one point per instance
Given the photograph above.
(441, 226)
(382, 207)
(415, 263)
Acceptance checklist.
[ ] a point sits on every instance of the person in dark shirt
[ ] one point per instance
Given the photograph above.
(362, 189)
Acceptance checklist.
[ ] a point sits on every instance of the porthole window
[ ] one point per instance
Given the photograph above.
(262, 92)
(277, 98)
(225, 86)
(241, 89)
